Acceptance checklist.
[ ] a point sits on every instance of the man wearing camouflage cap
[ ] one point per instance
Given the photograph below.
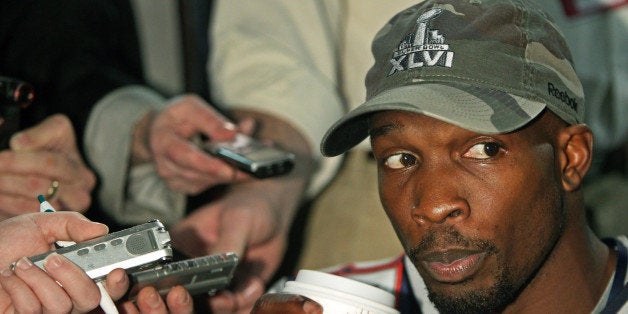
(474, 113)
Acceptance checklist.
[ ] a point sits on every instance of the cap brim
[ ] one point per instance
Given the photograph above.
(477, 109)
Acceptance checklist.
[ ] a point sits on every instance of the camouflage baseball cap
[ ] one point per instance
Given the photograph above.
(489, 66)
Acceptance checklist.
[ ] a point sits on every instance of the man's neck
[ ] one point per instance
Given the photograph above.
(573, 278)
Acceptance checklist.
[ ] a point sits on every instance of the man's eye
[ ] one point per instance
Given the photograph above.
(399, 161)
(483, 150)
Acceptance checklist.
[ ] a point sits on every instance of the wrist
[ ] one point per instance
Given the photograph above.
(140, 146)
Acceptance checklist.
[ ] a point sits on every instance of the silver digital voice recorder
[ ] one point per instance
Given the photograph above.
(206, 274)
(252, 156)
(136, 248)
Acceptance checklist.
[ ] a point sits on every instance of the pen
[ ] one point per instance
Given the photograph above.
(44, 206)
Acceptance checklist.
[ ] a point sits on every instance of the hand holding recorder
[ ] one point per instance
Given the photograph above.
(188, 168)
(29, 289)
(63, 280)
(165, 138)
(64, 287)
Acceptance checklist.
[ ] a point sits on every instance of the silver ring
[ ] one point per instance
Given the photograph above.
(52, 190)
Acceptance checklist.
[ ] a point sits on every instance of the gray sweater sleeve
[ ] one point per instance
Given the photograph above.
(135, 194)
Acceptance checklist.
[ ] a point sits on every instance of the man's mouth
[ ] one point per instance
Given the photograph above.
(454, 265)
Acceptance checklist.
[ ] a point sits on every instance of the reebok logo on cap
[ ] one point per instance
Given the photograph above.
(562, 96)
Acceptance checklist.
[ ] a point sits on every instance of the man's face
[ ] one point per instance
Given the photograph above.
(478, 214)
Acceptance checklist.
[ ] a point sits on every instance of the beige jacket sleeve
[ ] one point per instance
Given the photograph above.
(281, 58)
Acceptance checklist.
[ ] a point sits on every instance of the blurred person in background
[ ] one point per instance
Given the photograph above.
(596, 32)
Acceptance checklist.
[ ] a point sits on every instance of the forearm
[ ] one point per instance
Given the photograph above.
(287, 190)
(140, 147)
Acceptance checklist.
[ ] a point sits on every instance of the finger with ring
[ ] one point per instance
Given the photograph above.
(52, 190)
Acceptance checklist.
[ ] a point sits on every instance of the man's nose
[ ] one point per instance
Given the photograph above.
(439, 197)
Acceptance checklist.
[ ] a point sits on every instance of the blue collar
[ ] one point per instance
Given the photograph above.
(619, 291)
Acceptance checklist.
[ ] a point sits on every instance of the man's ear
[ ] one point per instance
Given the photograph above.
(575, 145)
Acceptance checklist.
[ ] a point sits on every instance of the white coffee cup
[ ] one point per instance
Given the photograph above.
(341, 295)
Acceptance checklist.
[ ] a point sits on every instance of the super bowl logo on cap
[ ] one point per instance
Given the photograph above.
(425, 47)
